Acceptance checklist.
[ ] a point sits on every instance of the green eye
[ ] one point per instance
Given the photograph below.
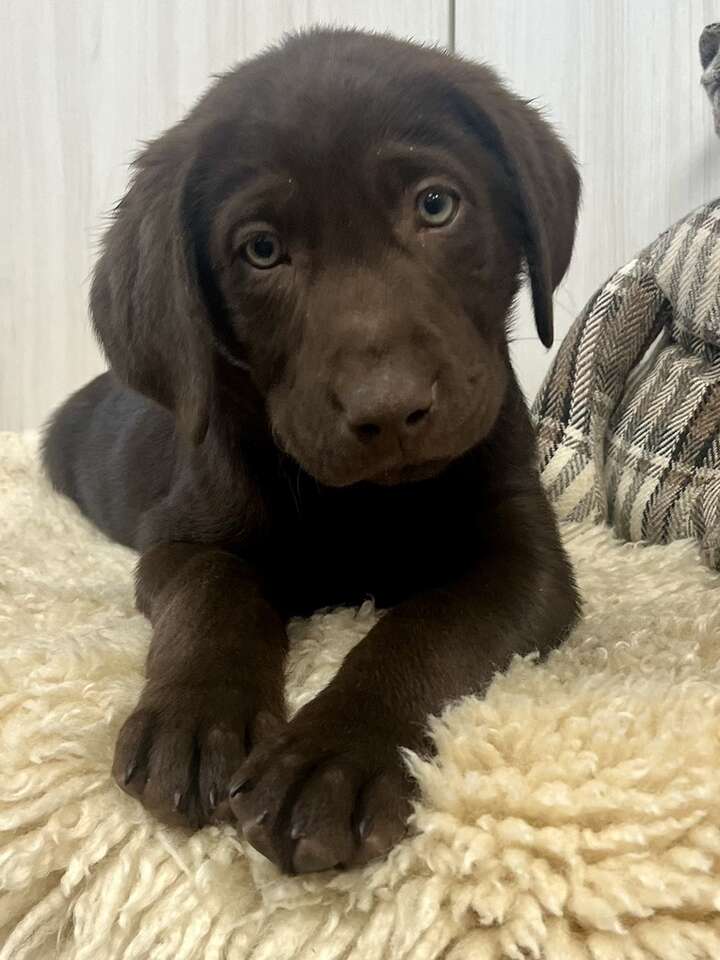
(263, 250)
(437, 206)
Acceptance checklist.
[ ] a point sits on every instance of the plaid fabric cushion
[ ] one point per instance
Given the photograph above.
(629, 414)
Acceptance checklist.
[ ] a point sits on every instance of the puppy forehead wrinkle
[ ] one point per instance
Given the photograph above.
(340, 98)
(326, 148)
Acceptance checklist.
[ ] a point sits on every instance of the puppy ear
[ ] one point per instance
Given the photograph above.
(146, 303)
(542, 176)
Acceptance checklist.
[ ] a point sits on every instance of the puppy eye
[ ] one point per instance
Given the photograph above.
(263, 250)
(437, 206)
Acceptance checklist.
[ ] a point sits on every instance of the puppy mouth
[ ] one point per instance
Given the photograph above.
(390, 474)
(390, 471)
(410, 473)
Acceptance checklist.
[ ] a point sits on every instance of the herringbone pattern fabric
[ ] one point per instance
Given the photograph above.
(629, 414)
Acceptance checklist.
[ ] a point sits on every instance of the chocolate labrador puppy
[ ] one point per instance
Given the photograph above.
(304, 299)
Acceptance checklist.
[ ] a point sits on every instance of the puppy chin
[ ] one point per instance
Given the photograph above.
(334, 472)
(410, 473)
(329, 474)
(390, 476)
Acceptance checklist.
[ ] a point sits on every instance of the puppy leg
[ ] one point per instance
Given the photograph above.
(332, 790)
(214, 681)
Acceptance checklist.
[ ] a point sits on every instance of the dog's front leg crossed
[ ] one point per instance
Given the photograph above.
(332, 790)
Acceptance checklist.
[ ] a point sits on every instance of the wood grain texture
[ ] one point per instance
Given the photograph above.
(82, 82)
(620, 79)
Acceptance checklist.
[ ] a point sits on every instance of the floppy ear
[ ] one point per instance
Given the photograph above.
(146, 303)
(542, 177)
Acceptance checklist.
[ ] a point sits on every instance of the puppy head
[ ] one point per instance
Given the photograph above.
(333, 238)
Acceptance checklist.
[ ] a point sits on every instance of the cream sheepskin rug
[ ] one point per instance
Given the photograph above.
(572, 815)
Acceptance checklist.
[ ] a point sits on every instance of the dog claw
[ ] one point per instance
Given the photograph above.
(242, 786)
(366, 825)
(259, 819)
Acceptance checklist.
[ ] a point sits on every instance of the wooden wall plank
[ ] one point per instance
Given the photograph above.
(82, 82)
(620, 79)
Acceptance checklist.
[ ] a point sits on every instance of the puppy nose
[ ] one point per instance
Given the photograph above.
(398, 413)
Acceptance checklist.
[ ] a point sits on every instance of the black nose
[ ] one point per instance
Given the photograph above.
(396, 411)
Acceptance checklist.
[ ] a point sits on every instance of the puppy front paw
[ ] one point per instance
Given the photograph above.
(322, 796)
(176, 752)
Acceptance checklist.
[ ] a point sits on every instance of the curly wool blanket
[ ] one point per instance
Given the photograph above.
(574, 814)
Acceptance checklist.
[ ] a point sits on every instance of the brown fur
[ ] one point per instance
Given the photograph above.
(345, 423)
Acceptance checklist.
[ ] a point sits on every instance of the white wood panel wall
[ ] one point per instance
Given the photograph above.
(83, 81)
(621, 81)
